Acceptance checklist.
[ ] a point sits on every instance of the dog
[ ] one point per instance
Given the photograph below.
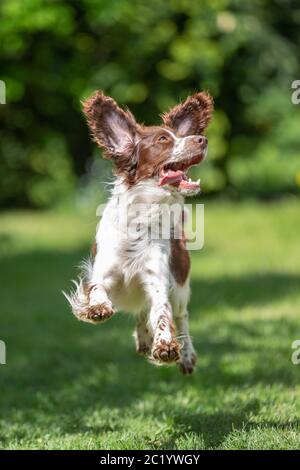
(138, 273)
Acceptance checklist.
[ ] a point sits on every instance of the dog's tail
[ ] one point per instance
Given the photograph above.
(78, 297)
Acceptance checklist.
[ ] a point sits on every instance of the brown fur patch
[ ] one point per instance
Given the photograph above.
(102, 112)
(136, 150)
(94, 249)
(179, 261)
(151, 153)
(192, 116)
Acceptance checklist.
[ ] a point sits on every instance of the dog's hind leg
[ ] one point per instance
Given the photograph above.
(179, 299)
(143, 335)
(180, 294)
(188, 355)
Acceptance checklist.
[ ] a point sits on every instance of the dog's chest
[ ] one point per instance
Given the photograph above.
(134, 236)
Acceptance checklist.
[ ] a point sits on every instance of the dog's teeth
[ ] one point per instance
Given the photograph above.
(198, 181)
(190, 180)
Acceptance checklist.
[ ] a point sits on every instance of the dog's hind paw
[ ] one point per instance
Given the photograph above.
(187, 363)
(143, 349)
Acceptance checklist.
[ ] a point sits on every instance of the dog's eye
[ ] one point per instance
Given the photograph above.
(163, 138)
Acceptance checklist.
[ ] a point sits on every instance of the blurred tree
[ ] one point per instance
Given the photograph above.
(148, 54)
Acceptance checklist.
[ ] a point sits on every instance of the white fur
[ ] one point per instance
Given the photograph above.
(122, 261)
(131, 271)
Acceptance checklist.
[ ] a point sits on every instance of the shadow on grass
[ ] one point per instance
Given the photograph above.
(238, 292)
(63, 368)
(213, 427)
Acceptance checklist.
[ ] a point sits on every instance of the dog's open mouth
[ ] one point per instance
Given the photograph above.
(174, 174)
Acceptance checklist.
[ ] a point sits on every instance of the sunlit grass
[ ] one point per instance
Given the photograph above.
(71, 385)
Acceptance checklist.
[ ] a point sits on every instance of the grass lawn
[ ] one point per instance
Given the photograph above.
(70, 385)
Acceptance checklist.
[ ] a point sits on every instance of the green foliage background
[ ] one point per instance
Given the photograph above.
(148, 54)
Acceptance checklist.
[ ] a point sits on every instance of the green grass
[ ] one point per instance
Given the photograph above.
(70, 385)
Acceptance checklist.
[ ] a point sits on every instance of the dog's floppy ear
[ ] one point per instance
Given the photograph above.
(113, 128)
(192, 116)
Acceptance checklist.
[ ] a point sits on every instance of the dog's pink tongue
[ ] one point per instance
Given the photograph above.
(171, 177)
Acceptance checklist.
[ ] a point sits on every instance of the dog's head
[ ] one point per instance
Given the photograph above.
(161, 152)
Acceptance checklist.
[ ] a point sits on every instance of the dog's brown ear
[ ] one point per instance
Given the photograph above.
(192, 116)
(113, 128)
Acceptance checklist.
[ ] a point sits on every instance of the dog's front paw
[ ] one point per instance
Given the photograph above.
(187, 362)
(99, 313)
(165, 352)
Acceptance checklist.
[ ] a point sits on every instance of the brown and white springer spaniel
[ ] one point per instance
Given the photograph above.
(131, 270)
